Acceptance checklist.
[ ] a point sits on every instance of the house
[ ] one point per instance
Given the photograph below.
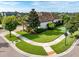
(44, 18)
(56, 20)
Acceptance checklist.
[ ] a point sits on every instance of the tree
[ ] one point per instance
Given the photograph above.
(65, 18)
(21, 20)
(1, 17)
(33, 20)
(73, 29)
(73, 24)
(9, 23)
(65, 38)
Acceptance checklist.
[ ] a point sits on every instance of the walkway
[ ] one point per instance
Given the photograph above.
(7, 51)
(49, 51)
(46, 46)
(37, 43)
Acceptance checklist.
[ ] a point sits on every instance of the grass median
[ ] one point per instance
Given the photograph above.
(26, 47)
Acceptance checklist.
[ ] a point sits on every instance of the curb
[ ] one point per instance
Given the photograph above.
(33, 55)
(20, 51)
(67, 51)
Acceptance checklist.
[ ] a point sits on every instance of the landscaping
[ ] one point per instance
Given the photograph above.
(46, 36)
(62, 28)
(13, 38)
(60, 47)
(41, 38)
(26, 47)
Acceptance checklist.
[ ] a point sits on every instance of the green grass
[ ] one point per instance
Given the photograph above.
(62, 28)
(26, 47)
(60, 47)
(38, 50)
(12, 38)
(43, 37)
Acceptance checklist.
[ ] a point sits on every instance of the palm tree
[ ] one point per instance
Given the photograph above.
(65, 19)
(22, 20)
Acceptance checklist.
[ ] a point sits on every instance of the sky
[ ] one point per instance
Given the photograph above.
(39, 6)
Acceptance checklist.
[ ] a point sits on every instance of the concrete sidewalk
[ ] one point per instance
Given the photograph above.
(37, 43)
(49, 51)
(46, 46)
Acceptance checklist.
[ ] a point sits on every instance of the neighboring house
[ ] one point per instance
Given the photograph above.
(3, 14)
(56, 20)
(12, 13)
(44, 18)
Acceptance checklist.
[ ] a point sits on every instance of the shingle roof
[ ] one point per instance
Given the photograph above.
(45, 16)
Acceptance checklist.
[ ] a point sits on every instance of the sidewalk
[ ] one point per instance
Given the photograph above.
(49, 51)
(46, 46)
(37, 43)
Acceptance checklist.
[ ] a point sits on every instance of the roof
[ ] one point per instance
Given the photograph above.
(45, 16)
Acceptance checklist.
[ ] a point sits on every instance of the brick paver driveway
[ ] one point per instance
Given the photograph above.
(7, 51)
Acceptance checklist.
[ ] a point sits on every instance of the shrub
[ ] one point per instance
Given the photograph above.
(59, 23)
(77, 36)
(1, 27)
(39, 30)
(50, 25)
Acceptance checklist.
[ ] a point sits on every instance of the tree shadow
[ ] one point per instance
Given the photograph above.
(2, 51)
(53, 32)
(47, 33)
(31, 36)
(4, 45)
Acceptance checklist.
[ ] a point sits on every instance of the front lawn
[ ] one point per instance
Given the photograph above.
(60, 47)
(62, 28)
(12, 38)
(46, 36)
(26, 47)
(38, 50)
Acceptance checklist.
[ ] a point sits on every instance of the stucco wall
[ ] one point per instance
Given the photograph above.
(44, 24)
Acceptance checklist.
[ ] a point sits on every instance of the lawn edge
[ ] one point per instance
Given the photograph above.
(32, 55)
(68, 50)
(18, 50)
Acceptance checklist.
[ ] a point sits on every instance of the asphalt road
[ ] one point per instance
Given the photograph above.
(7, 51)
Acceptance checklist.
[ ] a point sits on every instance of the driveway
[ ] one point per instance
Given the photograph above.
(74, 52)
(7, 51)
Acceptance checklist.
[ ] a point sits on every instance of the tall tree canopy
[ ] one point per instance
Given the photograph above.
(1, 18)
(9, 23)
(33, 20)
(73, 24)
